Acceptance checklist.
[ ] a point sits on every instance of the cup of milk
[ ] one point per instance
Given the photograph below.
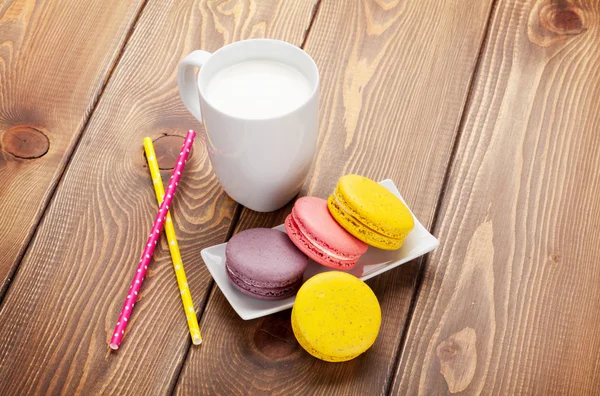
(258, 100)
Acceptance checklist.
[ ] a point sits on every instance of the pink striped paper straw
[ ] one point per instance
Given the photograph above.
(136, 284)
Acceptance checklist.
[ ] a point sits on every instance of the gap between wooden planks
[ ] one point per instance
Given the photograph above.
(52, 75)
(394, 83)
(510, 301)
(59, 312)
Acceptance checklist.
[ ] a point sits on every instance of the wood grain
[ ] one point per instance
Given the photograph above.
(395, 76)
(518, 269)
(58, 314)
(55, 57)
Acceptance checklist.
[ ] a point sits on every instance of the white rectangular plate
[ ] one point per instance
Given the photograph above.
(372, 263)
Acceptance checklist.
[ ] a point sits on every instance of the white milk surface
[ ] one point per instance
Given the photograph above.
(258, 89)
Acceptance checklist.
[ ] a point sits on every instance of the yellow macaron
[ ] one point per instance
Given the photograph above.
(336, 316)
(370, 212)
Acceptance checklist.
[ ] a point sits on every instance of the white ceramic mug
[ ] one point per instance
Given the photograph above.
(261, 163)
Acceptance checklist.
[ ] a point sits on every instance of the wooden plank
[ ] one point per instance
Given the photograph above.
(55, 57)
(394, 82)
(510, 302)
(59, 313)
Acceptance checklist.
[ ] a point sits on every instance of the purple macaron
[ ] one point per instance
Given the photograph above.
(265, 264)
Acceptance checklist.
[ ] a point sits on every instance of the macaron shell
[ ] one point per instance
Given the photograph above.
(261, 284)
(313, 216)
(305, 344)
(264, 263)
(313, 252)
(265, 256)
(273, 293)
(359, 230)
(336, 316)
(374, 206)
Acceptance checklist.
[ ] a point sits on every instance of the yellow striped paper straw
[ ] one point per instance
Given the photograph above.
(186, 297)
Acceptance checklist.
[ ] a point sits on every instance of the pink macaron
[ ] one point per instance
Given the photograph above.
(314, 231)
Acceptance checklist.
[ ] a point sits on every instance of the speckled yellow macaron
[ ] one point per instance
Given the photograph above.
(370, 212)
(336, 316)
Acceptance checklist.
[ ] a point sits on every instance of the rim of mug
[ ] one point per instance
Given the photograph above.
(314, 91)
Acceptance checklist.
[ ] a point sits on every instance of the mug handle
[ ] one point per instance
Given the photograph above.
(188, 83)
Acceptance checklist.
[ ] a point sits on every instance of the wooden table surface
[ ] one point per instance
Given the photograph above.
(485, 113)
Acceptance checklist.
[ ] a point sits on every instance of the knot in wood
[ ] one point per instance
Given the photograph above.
(561, 18)
(552, 21)
(458, 359)
(274, 338)
(167, 148)
(25, 142)
(447, 350)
